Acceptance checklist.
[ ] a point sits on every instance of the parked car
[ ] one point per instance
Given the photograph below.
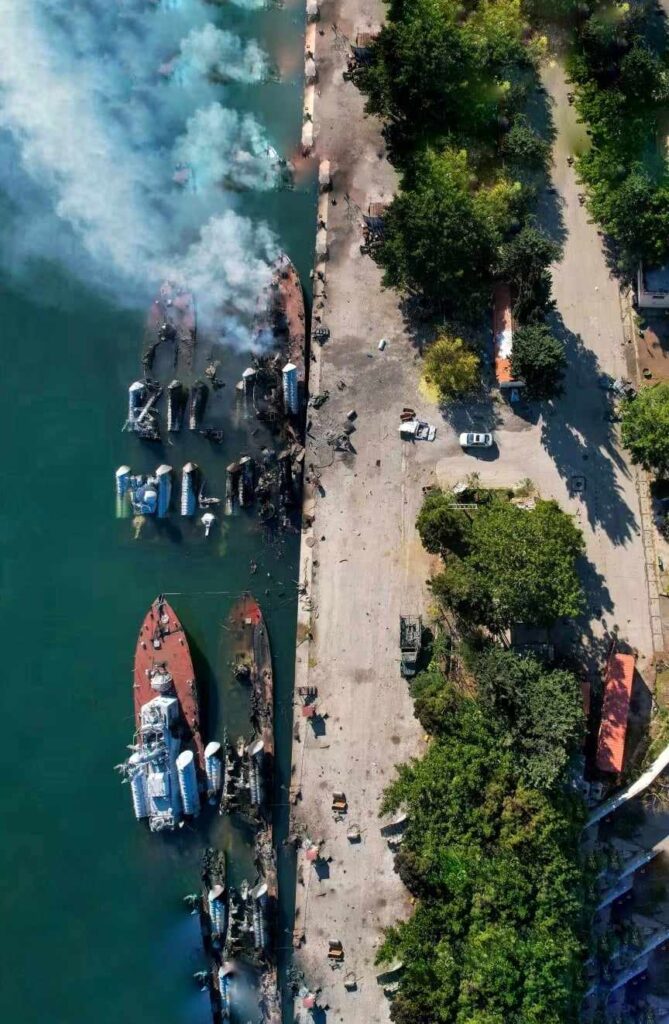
(476, 440)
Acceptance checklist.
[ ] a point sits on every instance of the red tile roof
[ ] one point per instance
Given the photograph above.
(615, 712)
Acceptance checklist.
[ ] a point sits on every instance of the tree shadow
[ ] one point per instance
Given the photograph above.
(478, 413)
(577, 433)
(588, 649)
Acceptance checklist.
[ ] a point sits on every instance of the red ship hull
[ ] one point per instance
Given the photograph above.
(162, 642)
(290, 315)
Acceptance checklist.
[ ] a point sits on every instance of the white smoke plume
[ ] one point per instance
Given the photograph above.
(222, 146)
(89, 134)
(210, 51)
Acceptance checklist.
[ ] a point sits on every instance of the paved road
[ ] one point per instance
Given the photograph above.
(554, 446)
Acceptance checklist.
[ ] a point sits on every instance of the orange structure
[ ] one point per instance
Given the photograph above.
(615, 712)
(502, 327)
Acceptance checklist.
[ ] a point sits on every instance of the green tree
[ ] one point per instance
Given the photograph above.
(538, 358)
(441, 525)
(524, 147)
(441, 237)
(529, 558)
(523, 262)
(520, 567)
(645, 428)
(501, 914)
(541, 711)
(452, 367)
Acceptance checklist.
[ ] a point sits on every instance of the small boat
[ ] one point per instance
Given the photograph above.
(213, 767)
(189, 489)
(144, 495)
(247, 480)
(198, 401)
(231, 486)
(177, 396)
(164, 479)
(122, 492)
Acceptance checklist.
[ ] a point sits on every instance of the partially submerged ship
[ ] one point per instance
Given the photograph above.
(289, 326)
(171, 332)
(166, 767)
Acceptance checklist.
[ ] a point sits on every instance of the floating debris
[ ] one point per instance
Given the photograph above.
(208, 520)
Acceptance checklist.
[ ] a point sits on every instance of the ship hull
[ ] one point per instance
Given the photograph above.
(289, 317)
(252, 659)
(162, 641)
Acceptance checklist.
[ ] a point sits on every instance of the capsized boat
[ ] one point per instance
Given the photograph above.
(167, 765)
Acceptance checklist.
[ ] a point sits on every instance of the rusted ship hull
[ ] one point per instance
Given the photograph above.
(162, 642)
(252, 662)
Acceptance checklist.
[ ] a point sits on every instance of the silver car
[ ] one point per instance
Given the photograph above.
(476, 440)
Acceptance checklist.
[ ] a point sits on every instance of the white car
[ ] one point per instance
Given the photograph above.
(476, 440)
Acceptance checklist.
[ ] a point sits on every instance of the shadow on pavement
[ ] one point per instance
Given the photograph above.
(578, 435)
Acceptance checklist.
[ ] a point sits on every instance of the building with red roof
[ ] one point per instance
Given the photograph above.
(502, 329)
(615, 712)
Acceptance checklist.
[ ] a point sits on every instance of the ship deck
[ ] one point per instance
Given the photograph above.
(250, 646)
(292, 315)
(174, 653)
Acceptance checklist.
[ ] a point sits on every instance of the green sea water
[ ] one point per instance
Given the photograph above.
(94, 929)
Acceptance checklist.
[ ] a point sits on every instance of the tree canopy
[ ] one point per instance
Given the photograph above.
(519, 566)
(441, 235)
(538, 358)
(645, 428)
(622, 88)
(452, 84)
(498, 930)
(523, 261)
(451, 366)
(539, 709)
(441, 525)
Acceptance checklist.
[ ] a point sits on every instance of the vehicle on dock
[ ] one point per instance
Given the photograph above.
(166, 767)
(411, 635)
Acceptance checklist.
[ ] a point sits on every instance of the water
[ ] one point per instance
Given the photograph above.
(91, 903)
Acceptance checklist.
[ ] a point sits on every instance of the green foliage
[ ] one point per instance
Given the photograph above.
(520, 567)
(524, 262)
(452, 367)
(645, 428)
(441, 525)
(434, 73)
(499, 927)
(441, 236)
(540, 710)
(524, 147)
(538, 358)
(622, 88)
(447, 79)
